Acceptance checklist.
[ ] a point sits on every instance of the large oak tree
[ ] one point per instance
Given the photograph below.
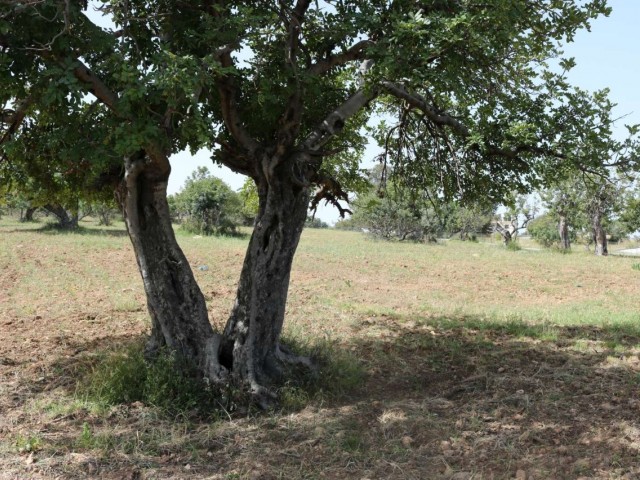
(281, 91)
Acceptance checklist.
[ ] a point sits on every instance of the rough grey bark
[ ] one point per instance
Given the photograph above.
(251, 347)
(176, 305)
(599, 235)
(563, 231)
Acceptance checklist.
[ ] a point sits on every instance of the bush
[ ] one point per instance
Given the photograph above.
(544, 230)
(167, 383)
(206, 205)
(315, 223)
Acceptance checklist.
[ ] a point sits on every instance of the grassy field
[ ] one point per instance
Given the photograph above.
(449, 361)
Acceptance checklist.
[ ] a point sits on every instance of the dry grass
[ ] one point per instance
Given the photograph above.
(481, 363)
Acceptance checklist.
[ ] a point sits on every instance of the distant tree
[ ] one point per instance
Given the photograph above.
(520, 212)
(630, 211)
(563, 201)
(250, 202)
(601, 198)
(106, 211)
(207, 206)
(544, 230)
(313, 222)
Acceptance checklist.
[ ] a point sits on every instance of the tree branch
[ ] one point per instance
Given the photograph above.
(335, 121)
(355, 52)
(227, 89)
(291, 118)
(15, 118)
(96, 86)
(431, 113)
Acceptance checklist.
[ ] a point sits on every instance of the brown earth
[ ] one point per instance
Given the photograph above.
(446, 396)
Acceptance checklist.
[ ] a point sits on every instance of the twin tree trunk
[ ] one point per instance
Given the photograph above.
(67, 220)
(248, 352)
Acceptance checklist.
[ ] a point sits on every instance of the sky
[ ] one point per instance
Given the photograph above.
(607, 57)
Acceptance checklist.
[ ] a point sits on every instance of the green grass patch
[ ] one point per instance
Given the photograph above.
(167, 383)
(28, 443)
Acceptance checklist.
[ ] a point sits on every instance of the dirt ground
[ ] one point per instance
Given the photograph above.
(453, 396)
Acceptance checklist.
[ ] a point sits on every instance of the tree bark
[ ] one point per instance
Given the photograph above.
(179, 319)
(563, 231)
(28, 214)
(599, 235)
(251, 348)
(66, 220)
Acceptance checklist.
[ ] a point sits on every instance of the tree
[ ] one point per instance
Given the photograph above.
(476, 109)
(207, 206)
(518, 216)
(562, 200)
(602, 199)
(250, 202)
(630, 214)
(544, 230)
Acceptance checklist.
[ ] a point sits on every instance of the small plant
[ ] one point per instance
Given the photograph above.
(513, 246)
(29, 443)
(86, 440)
(636, 266)
(165, 382)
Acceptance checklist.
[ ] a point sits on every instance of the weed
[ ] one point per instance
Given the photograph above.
(28, 443)
(86, 440)
(513, 246)
(636, 266)
(166, 382)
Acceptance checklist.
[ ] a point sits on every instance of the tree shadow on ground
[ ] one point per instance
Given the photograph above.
(443, 398)
(52, 229)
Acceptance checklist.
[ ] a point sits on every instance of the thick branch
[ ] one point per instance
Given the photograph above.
(336, 120)
(355, 52)
(96, 86)
(230, 114)
(15, 118)
(421, 104)
(290, 120)
(441, 119)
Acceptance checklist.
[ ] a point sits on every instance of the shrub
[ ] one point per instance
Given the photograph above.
(544, 230)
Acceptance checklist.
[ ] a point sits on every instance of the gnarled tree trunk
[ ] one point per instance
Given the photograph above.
(251, 348)
(563, 231)
(66, 220)
(599, 235)
(176, 305)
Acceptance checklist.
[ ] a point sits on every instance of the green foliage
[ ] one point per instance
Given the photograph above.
(315, 223)
(544, 230)
(630, 214)
(398, 212)
(250, 201)
(485, 66)
(28, 443)
(167, 382)
(207, 206)
(636, 266)
(513, 246)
